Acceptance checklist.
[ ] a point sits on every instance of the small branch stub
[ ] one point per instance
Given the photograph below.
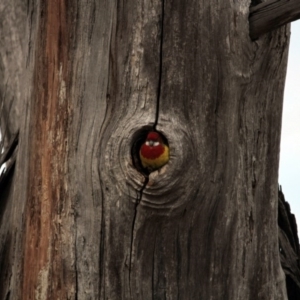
(272, 14)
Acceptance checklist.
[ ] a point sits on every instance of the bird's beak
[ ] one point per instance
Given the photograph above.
(151, 143)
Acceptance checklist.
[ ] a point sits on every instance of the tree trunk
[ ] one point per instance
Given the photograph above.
(83, 81)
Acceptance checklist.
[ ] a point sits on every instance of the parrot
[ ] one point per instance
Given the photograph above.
(154, 153)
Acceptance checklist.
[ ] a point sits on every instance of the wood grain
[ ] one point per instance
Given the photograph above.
(15, 90)
(80, 223)
(270, 15)
(48, 247)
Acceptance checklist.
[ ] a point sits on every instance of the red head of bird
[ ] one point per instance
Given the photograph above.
(154, 153)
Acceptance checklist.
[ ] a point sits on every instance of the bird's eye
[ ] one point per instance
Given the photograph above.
(155, 143)
(147, 143)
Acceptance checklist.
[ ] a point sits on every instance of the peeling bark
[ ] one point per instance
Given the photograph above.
(49, 216)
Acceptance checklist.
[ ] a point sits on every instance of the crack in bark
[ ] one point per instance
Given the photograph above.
(101, 254)
(160, 63)
(137, 202)
(153, 270)
(75, 267)
(139, 197)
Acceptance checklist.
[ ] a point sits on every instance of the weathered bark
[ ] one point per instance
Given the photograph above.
(15, 91)
(79, 222)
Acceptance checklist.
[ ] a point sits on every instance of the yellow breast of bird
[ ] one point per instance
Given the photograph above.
(157, 162)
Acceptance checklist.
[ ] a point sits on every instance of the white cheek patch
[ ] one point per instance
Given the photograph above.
(152, 143)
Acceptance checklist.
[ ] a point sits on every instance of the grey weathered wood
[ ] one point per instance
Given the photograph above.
(269, 15)
(16, 69)
(205, 226)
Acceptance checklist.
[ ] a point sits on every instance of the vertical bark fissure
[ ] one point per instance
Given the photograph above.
(160, 63)
(137, 202)
(101, 255)
(4, 120)
(31, 14)
(75, 266)
(140, 194)
(7, 296)
(153, 271)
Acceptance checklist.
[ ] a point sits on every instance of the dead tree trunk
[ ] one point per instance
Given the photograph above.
(81, 81)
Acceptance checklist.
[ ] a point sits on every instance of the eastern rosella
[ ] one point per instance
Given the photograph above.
(154, 153)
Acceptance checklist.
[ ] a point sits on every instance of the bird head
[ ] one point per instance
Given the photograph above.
(153, 139)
